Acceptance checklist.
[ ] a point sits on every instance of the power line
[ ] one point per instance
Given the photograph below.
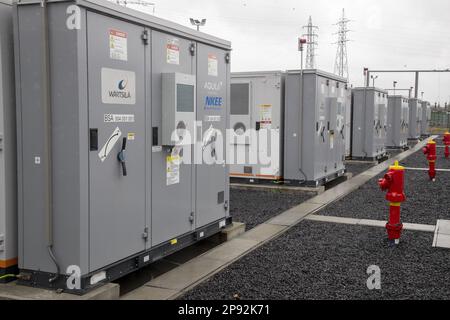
(311, 44)
(341, 62)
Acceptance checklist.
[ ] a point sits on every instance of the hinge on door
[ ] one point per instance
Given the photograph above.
(192, 49)
(1, 141)
(227, 58)
(144, 37)
(145, 234)
(225, 205)
(2, 243)
(191, 218)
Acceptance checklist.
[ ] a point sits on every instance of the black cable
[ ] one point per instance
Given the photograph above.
(50, 252)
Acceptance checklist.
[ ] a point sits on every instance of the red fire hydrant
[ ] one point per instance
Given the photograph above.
(430, 152)
(393, 181)
(447, 144)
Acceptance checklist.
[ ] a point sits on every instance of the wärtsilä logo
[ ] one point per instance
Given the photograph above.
(123, 84)
(121, 93)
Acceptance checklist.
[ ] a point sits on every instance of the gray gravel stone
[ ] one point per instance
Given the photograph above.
(358, 168)
(254, 207)
(329, 261)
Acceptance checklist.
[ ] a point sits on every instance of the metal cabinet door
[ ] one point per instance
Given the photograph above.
(340, 134)
(321, 137)
(116, 60)
(419, 119)
(332, 134)
(172, 203)
(405, 112)
(240, 108)
(376, 131)
(212, 179)
(241, 104)
(383, 125)
(339, 155)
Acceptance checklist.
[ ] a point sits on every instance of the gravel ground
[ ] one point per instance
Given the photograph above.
(254, 207)
(329, 261)
(358, 168)
(419, 160)
(426, 201)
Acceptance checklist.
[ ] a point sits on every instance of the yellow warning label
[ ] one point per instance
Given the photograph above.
(173, 170)
(173, 241)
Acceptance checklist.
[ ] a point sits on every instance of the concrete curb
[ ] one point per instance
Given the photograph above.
(13, 291)
(370, 223)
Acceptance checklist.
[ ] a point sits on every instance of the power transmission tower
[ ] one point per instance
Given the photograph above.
(341, 63)
(311, 43)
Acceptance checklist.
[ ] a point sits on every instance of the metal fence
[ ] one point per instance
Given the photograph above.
(440, 119)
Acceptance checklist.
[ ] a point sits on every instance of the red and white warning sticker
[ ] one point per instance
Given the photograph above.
(265, 116)
(173, 51)
(213, 65)
(118, 45)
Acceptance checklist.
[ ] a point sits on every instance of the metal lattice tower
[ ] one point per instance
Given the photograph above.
(311, 42)
(341, 63)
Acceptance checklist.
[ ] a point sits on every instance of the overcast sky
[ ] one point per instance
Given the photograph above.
(388, 34)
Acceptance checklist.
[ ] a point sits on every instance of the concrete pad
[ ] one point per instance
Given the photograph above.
(330, 195)
(442, 241)
(149, 293)
(369, 223)
(444, 227)
(13, 291)
(442, 234)
(426, 169)
(419, 227)
(186, 274)
(290, 188)
(231, 250)
(359, 180)
(372, 223)
(379, 167)
(295, 215)
(328, 219)
(369, 175)
(360, 162)
(416, 169)
(232, 231)
(340, 190)
(263, 232)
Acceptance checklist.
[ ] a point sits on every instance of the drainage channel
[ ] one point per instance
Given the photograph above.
(185, 277)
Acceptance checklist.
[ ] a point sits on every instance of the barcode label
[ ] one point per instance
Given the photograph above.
(111, 118)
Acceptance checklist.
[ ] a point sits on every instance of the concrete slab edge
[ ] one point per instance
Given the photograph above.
(240, 186)
(371, 223)
(436, 232)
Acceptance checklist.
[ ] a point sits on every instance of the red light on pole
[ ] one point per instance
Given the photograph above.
(301, 42)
